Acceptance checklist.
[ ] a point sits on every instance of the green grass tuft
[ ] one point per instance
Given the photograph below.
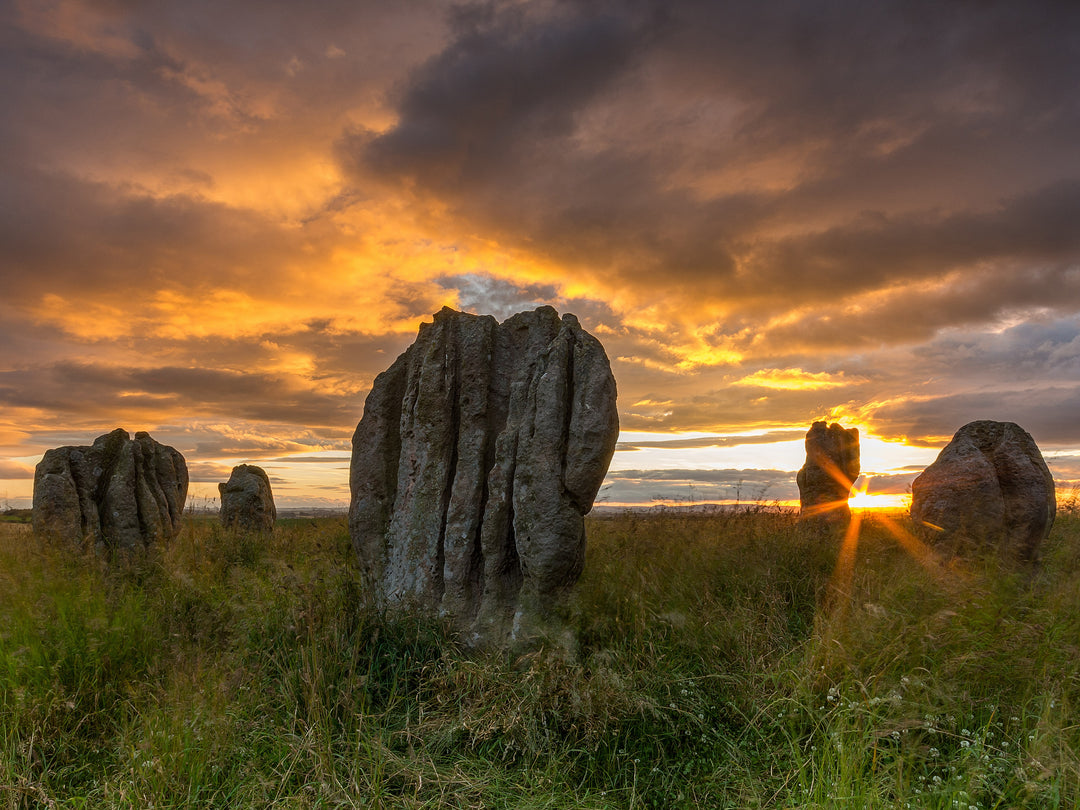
(707, 661)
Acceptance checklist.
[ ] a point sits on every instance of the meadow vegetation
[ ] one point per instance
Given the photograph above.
(735, 660)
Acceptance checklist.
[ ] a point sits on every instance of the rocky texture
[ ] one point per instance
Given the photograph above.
(120, 492)
(479, 452)
(832, 465)
(988, 488)
(247, 503)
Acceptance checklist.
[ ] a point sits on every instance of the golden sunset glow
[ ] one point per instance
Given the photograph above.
(867, 500)
(840, 584)
(221, 224)
(862, 498)
(794, 379)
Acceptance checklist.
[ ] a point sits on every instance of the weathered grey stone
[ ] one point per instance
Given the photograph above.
(988, 489)
(480, 450)
(247, 503)
(832, 465)
(122, 492)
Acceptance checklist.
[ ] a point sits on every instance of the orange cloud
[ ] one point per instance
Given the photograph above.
(796, 379)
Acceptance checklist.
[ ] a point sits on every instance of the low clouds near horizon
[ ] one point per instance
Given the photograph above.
(222, 221)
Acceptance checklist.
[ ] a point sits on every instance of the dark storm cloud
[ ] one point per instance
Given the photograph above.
(79, 238)
(507, 77)
(201, 443)
(98, 391)
(1037, 229)
(332, 350)
(917, 313)
(313, 460)
(822, 64)
(208, 471)
(921, 139)
(254, 396)
(204, 67)
(729, 476)
(889, 483)
(638, 486)
(1047, 413)
(1033, 351)
(491, 124)
(715, 441)
(1025, 374)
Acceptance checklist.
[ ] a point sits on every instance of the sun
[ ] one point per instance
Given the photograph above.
(878, 500)
(861, 498)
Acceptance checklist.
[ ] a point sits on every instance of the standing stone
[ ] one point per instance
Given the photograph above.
(479, 453)
(121, 492)
(832, 465)
(988, 488)
(247, 503)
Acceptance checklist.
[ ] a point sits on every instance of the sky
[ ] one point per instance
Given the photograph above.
(219, 221)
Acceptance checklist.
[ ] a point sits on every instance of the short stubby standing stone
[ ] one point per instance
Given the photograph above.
(479, 453)
(247, 503)
(832, 465)
(988, 489)
(118, 492)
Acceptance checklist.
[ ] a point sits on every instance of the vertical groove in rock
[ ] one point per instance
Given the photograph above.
(492, 420)
(453, 431)
(486, 523)
(567, 405)
(113, 492)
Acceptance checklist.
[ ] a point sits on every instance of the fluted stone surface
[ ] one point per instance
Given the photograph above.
(832, 465)
(988, 488)
(479, 452)
(247, 502)
(119, 491)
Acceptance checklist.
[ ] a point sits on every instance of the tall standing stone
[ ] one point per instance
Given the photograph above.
(989, 488)
(479, 452)
(120, 492)
(247, 502)
(832, 465)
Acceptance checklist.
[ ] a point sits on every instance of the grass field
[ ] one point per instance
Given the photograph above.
(721, 661)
